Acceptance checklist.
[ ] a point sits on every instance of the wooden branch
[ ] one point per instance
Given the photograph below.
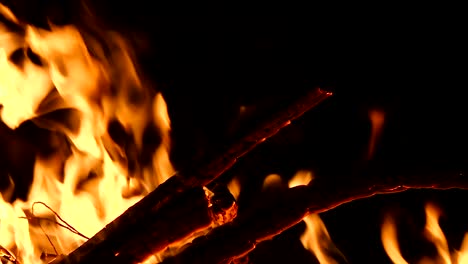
(235, 239)
(202, 174)
(154, 222)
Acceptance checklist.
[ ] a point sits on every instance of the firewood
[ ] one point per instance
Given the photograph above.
(237, 238)
(165, 215)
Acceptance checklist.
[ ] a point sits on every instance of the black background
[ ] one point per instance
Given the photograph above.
(406, 62)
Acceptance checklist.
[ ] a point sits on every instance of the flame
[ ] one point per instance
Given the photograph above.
(14, 232)
(98, 175)
(390, 241)
(317, 240)
(234, 187)
(433, 233)
(462, 255)
(300, 178)
(377, 119)
(272, 181)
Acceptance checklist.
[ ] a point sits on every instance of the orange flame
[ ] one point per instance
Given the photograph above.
(377, 119)
(390, 242)
(272, 182)
(318, 241)
(300, 178)
(433, 233)
(92, 186)
(315, 238)
(234, 187)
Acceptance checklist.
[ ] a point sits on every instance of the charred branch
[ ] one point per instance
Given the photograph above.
(239, 237)
(160, 218)
(136, 236)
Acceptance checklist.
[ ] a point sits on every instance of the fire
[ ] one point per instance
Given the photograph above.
(234, 187)
(318, 241)
(390, 242)
(301, 178)
(315, 238)
(377, 119)
(435, 234)
(432, 233)
(272, 182)
(98, 175)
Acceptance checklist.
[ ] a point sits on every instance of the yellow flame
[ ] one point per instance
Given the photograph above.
(14, 231)
(462, 255)
(300, 178)
(21, 89)
(234, 187)
(161, 160)
(317, 240)
(433, 233)
(91, 184)
(390, 241)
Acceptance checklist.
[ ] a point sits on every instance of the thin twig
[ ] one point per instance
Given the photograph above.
(65, 223)
(55, 222)
(43, 231)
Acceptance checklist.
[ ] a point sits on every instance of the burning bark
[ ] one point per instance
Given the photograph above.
(239, 237)
(152, 219)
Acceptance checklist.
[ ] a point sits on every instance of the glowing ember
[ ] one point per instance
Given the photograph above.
(44, 71)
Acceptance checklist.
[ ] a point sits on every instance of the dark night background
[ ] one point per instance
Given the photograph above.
(407, 64)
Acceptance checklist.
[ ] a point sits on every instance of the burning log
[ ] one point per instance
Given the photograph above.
(237, 238)
(160, 218)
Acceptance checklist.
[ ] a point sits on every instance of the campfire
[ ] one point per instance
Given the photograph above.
(91, 172)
